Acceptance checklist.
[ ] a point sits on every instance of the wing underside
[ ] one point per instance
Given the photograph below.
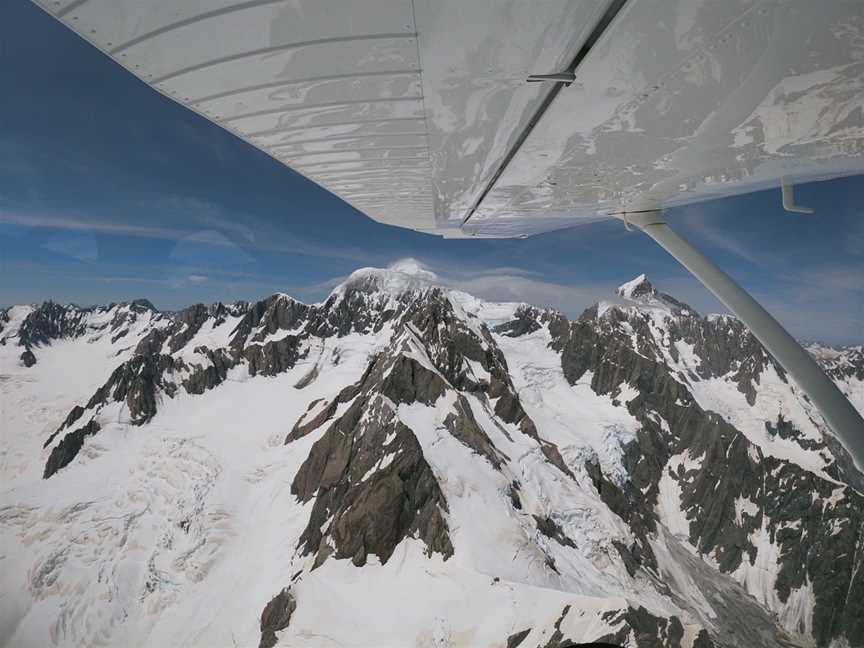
(419, 113)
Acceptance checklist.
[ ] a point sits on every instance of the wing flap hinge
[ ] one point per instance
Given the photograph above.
(566, 77)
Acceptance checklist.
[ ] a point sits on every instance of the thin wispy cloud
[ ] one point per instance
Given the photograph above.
(270, 240)
(853, 242)
(701, 225)
(203, 213)
(81, 246)
(85, 225)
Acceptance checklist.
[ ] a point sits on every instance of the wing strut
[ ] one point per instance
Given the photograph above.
(843, 418)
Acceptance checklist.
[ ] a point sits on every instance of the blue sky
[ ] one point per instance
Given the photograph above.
(109, 191)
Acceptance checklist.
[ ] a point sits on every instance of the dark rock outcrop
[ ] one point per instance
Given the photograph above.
(463, 426)
(548, 527)
(206, 376)
(186, 324)
(138, 382)
(273, 357)
(408, 381)
(276, 616)
(28, 359)
(267, 317)
(515, 640)
(76, 413)
(526, 320)
(372, 487)
(51, 321)
(68, 448)
(648, 630)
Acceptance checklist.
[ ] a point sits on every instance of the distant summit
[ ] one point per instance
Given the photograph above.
(642, 291)
(405, 275)
(636, 288)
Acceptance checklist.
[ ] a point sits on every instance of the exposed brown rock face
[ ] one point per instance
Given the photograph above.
(137, 382)
(151, 344)
(636, 627)
(725, 345)
(203, 377)
(276, 616)
(371, 483)
(276, 313)
(68, 447)
(273, 357)
(463, 426)
(186, 324)
(548, 527)
(28, 359)
(372, 488)
(408, 381)
(309, 422)
(648, 630)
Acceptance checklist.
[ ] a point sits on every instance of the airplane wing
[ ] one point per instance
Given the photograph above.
(400, 108)
(419, 113)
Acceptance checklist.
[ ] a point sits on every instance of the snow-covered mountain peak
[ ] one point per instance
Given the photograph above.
(406, 275)
(636, 288)
(642, 292)
(142, 306)
(31, 327)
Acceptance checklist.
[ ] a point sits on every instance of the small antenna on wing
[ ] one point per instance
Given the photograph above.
(786, 188)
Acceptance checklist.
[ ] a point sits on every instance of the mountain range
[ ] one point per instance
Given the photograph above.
(404, 464)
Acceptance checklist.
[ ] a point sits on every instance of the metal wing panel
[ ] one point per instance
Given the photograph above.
(320, 90)
(363, 56)
(279, 73)
(687, 100)
(355, 112)
(410, 111)
(333, 87)
(369, 128)
(476, 57)
(170, 36)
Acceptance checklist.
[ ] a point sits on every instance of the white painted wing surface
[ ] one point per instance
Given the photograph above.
(687, 100)
(419, 114)
(403, 109)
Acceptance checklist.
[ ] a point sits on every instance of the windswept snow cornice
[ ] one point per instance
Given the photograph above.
(407, 275)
